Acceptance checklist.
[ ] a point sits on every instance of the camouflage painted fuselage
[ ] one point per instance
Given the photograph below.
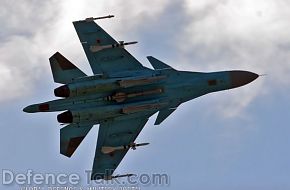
(94, 99)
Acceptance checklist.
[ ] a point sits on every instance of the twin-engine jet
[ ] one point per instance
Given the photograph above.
(120, 96)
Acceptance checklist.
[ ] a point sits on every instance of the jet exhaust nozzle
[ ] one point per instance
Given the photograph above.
(62, 91)
(65, 117)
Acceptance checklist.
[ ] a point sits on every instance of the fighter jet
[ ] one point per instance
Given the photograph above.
(121, 95)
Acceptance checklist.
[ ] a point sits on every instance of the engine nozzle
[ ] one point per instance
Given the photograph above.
(62, 91)
(65, 117)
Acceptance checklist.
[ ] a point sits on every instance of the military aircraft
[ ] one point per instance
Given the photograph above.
(120, 96)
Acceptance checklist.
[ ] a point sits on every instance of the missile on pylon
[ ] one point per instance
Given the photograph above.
(109, 149)
(121, 44)
(121, 97)
(86, 87)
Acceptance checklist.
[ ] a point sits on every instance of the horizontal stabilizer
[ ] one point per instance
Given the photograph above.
(63, 70)
(163, 114)
(157, 64)
(71, 137)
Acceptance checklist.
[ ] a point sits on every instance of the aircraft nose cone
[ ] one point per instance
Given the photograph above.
(240, 78)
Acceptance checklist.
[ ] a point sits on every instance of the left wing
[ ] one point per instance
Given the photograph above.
(114, 133)
(105, 55)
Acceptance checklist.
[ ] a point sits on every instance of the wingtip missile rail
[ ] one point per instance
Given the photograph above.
(124, 175)
(90, 19)
(118, 176)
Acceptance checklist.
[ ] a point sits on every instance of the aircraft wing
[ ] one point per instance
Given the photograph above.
(115, 133)
(103, 60)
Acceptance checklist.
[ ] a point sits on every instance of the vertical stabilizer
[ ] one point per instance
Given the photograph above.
(63, 70)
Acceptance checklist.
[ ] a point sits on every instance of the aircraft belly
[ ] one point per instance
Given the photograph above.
(100, 113)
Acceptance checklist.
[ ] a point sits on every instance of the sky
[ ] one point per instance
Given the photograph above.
(235, 139)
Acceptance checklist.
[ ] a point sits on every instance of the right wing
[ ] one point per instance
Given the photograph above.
(104, 61)
(115, 133)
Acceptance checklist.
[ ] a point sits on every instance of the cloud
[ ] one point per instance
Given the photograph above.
(222, 35)
(23, 45)
(201, 36)
(33, 30)
(249, 35)
(22, 19)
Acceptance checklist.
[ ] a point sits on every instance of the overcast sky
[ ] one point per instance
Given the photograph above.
(236, 139)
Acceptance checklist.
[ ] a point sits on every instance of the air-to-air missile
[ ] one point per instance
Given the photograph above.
(90, 19)
(109, 149)
(121, 44)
